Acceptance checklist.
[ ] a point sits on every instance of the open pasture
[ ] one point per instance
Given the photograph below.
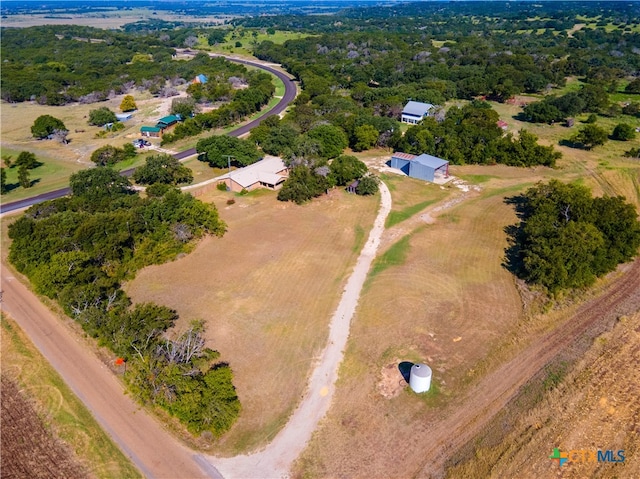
(447, 304)
(266, 291)
(438, 295)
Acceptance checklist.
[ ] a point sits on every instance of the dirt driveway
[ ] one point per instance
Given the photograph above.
(276, 459)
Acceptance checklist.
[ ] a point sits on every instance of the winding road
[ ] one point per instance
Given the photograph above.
(290, 91)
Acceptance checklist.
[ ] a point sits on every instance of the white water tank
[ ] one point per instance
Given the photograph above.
(420, 378)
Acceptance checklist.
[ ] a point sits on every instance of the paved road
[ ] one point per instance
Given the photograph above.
(142, 438)
(289, 95)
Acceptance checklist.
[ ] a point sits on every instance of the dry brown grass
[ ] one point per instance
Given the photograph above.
(451, 286)
(266, 290)
(594, 407)
(450, 304)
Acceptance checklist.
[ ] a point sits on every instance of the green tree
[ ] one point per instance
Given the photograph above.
(128, 103)
(345, 169)
(3, 181)
(302, 185)
(27, 159)
(332, 140)
(108, 155)
(590, 136)
(162, 169)
(185, 107)
(45, 125)
(366, 137)
(633, 86)
(23, 177)
(369, 185)
(216, 35)
(218, 150)
(567, 238)
(97, 184)
(623, 132)
(102, 116)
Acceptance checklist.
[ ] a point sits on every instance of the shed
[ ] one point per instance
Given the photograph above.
(353, 187)
(167, 121)
(124, 116)
(503, 125)
(424, 167)
(414, 112)
(150, 131)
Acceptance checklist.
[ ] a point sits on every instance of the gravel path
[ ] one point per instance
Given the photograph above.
(275, 460)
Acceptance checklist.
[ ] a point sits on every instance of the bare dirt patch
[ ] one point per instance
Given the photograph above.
(391, 382)
(267, 290)
(29, 449)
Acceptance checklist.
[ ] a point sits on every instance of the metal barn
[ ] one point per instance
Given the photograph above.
(424, 167)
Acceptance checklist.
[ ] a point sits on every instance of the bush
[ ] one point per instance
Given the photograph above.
(45, 125)
(128, 104)
(369, 185)
(221, 186)
(102, 116)
(623, 132)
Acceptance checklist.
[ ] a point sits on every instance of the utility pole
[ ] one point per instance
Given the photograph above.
(229, 166)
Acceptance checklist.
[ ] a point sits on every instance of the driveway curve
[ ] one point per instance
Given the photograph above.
(276, 459)
(290, 91)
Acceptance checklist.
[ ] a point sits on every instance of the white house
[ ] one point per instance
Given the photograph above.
(415, 111)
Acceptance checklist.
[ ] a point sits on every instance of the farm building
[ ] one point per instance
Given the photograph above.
(414, 112)
(269, 172)
(167, 121)
(150, 131)
(124, 116)
(163, 123)
(424, 167)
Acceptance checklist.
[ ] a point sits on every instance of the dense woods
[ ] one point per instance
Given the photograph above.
(567, 238)
(78, 250)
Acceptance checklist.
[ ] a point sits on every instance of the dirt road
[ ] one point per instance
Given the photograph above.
(494, 391)
(276, 459)
(143, 439)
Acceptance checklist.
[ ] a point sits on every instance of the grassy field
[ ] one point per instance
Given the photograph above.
(266, 290)
(438, 294)
(248, 40)
(61, 410)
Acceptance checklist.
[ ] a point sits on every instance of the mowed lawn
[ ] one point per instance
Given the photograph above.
(266, 290)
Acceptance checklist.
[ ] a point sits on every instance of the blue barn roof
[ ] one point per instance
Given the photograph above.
(416, 108)
(430, 161)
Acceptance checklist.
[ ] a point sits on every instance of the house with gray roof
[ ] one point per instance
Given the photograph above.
(414, 112)
(270, 172)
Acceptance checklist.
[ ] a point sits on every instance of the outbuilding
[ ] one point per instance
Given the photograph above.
(414, 112)
(124, 116)
(150, 131)
(424, 167)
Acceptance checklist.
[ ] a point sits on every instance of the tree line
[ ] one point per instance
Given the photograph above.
(566, 238)
(77, 250)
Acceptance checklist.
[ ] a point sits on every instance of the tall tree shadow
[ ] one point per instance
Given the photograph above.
(512, 261)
